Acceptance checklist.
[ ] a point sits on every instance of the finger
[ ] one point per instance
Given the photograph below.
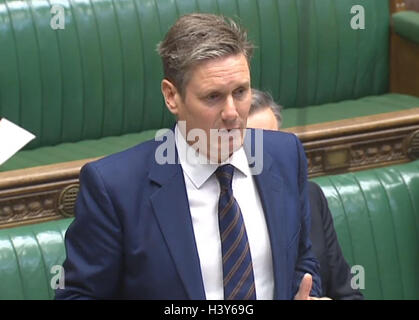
(322, 298)
(305, 288)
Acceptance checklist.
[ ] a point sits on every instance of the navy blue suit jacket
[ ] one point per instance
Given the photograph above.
(133, 238)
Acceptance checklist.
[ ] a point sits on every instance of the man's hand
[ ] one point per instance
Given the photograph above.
(305, 288)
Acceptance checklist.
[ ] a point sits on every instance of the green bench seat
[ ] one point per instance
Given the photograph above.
(376, 216)
(406, 24)
(347, 109)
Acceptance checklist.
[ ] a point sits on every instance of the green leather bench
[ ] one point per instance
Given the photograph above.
(376, 216)
(93, 88)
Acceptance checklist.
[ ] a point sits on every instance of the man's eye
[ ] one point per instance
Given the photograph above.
(213, 96)
(240, 92)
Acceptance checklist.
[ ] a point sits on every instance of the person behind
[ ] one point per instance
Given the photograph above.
(207, 229)
(335, 273)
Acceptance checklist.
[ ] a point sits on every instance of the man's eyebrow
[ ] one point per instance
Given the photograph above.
(222, 88)
(245, 84)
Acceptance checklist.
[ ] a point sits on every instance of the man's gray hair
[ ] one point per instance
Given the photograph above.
(263, 100)
(198, 37)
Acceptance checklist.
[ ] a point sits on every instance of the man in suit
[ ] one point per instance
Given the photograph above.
(334, 270)
(201, 225)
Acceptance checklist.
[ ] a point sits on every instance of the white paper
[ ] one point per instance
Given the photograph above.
(12, 139)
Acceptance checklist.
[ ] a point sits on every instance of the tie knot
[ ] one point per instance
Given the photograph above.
(225, 175)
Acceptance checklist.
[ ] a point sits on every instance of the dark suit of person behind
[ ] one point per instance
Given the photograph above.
(334, 270)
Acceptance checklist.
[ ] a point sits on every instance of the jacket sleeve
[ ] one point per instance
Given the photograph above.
(93, 243)
(338, 271)
(307, 262)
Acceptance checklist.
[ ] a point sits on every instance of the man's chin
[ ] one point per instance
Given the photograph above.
(230, 144)
(224, 151)
(221, 145)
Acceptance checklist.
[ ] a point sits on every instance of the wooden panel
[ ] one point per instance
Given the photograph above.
(404, 55)
(404, 66)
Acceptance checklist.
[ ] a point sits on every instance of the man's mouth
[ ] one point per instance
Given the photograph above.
(224, 130)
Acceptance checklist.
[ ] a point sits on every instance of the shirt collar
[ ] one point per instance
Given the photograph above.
(196, 165)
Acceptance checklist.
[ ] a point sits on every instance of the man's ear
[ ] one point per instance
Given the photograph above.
(171, 96)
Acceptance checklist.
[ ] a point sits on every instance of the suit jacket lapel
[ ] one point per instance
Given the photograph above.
(171, 208)
(269, 185)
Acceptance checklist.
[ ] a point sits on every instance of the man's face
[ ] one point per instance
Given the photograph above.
(264, 119)
(217, 96)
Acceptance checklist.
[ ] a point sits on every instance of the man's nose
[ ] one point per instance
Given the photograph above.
(229, 112)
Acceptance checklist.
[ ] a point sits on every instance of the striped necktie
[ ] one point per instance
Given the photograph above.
(238, 279)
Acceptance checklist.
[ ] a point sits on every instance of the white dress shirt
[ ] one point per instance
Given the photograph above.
(203, 192)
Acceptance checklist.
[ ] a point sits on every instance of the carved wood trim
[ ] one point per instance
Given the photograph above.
(39, 194)
(360, 143)
(32, 204)
(358, 154)
(411, 145)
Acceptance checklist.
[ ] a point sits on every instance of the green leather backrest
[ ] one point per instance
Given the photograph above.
(27, 257)
(100, 76)
(376, 216)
